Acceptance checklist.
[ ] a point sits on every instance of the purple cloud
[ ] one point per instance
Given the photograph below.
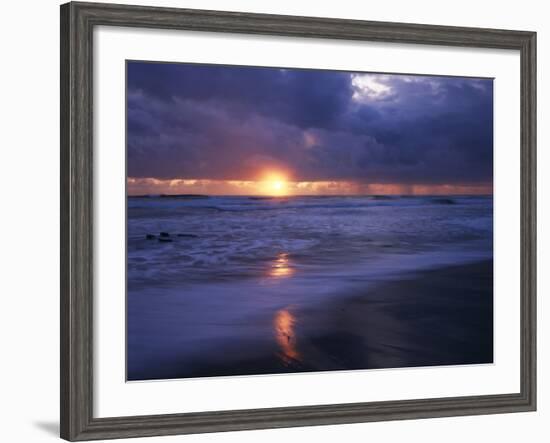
(218, 122)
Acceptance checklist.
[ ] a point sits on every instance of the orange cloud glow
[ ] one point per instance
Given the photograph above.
(277, 185)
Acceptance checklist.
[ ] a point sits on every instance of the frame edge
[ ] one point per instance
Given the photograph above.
(76, 202)
(66, 401)
(77, 422)
(528, 55)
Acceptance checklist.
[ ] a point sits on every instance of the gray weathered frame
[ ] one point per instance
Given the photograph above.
(77, 24)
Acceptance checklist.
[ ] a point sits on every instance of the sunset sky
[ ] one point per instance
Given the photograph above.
(266, 131)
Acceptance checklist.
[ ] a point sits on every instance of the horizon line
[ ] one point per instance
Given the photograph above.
(276, 184)
(262, 196)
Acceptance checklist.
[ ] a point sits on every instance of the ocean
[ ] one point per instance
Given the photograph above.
(249, 285)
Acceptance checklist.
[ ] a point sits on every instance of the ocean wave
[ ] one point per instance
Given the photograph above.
(258, 203)
(237, 236)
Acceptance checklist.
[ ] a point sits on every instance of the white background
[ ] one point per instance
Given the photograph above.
(29, 179)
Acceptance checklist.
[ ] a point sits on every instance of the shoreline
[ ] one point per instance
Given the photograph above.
(442, 316)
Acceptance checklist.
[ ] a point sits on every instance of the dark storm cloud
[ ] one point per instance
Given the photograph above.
(216, 122)
(298, 97)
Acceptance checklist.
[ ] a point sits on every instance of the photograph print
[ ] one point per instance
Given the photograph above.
(284, 220)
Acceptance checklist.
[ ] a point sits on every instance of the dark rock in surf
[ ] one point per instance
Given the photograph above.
(164, 234)
(150, 236)
(188, 235)
(444, 201)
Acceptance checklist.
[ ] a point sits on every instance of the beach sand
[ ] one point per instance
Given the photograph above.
(438, 317)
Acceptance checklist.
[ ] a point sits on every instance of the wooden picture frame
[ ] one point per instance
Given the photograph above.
(77, 23)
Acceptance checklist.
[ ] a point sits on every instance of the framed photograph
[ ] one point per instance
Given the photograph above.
(273, 221)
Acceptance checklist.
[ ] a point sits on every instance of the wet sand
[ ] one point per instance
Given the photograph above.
(437, 317)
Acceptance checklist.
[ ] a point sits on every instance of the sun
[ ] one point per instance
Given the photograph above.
(274, 184)
(277, 185)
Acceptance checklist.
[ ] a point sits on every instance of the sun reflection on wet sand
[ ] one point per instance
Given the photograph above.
(283, 324)
(280, 267)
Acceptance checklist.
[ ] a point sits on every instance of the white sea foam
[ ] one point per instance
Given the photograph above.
(239, 237)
